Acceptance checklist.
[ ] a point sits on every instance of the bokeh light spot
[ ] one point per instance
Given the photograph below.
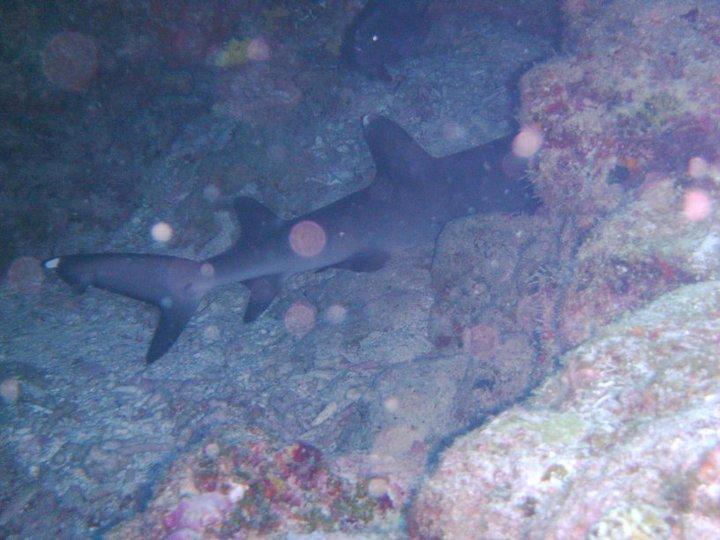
(391, 404)
(258, 50)
(161, 232)
(70, 60)
(697, 167)
(453, 132)
(207, 270)
(481, 341)
(527, 142)
(211, 192)
(10, 390)
(25, 275)
(307, 238)
(378, 486)
(212, 450)
(336, 314)
(299, 318)
(696, 205)
(211, 333)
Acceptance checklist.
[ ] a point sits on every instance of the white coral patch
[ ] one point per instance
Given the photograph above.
(706, 254)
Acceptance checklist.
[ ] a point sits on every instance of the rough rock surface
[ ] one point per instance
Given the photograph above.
(624, 442)
(628, 163)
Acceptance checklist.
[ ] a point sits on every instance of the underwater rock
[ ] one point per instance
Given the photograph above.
(485, 270)
(628, 158)
(624, 438)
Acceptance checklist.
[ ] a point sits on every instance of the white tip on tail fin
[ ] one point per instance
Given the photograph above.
(51, 264)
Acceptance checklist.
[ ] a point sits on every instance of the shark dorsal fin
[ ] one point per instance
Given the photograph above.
(257, 221)
(397, 156)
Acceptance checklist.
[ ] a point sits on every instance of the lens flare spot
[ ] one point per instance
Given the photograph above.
(527, 143)
(378, 486)
(697, 167)
(211, 193)
(10, 390)
(481, 341)
(25, 275)
(212, 450)
(161, 232)
(453, 131)
(392, 404)
(336, 314)
(258, 50)
(211, 333)
(299, 318)
(207, 270)
(696, 205)
(307, 238)
(70, 60)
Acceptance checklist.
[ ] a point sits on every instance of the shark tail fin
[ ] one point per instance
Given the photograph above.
(173, 284)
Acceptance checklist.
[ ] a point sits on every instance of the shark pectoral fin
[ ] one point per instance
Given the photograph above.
(257, 221)
(367, 261)
(173, 319)
(262, 292)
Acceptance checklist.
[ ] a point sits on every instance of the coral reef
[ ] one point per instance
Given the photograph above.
(627, 165)
(254, 488)
(623, 441)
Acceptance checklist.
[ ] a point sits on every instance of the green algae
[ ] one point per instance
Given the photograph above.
(561, 428)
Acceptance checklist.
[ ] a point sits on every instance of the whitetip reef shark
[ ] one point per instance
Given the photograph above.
(411, 196)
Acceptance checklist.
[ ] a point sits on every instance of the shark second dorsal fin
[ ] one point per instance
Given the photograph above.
(257, 221)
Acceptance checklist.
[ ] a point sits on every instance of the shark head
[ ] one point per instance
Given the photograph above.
(384, 32)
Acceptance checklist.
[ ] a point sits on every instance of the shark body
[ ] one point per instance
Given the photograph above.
(412, 195)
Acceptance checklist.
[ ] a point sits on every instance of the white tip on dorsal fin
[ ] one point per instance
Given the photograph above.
(52, 263)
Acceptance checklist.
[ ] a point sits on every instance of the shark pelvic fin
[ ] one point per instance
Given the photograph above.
(263, 291)
(367, 261)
